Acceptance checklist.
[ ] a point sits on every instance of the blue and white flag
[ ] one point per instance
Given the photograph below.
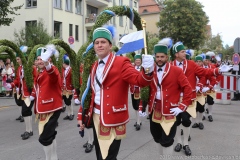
(131, 42)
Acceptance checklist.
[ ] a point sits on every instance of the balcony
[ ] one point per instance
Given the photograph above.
(90, 20)
(98, 3)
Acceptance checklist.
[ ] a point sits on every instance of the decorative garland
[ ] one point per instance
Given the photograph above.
(59, 61)
(102, 19)
(27, 71)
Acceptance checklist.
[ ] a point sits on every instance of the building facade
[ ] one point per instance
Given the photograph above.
(67, 18)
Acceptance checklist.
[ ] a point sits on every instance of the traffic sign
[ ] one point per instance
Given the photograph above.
(71, 40)
(235, 58)
(237, 45)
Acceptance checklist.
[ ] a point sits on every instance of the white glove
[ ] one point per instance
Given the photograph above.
(225, 68)
(8, 85)
(215, 87)
(175, 111)
(197, 88)
(76, 101)
(205, 89)
(148, 62)
(32, 98)
(17, 89)
(46, 55)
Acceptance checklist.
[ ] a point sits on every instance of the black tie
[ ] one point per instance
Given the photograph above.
(101, 62)
(180, 63)
(159, 69)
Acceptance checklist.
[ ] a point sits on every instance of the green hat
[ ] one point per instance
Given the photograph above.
(187, 56)
(102, 33)
(24, 54)
(207, 57)
(177, 47)
(137, 56)
(66, 59)
(198, 58)
(163, 45)
(40, 51)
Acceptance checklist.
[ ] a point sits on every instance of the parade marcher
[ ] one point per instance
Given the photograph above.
(110, 78)
(26, 105)
(48, 100)
(200, 99)
(7, 78)
(135, 93)
(164, 103)
(67, 87)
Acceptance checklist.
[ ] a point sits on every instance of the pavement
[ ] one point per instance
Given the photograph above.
(219, 139)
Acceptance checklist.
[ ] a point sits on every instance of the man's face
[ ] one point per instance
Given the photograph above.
(199, 63)
(40, 62)
(161, 59)
(205, 62)
(19, 61)
(65, 66)
(138, 62)
(102, 47)
(8, 60)
(181, 55)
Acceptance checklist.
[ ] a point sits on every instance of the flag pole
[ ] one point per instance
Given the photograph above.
(145, 42)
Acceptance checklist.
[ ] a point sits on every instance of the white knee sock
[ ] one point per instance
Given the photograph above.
(186, 133)
(200, 116)
(20, 110)
(68, 110)
(26, 123)
(48, 151)
(178, 136)
(90, 135)
(54, 150)
(137, 117)
(168, 151)
(210, 107)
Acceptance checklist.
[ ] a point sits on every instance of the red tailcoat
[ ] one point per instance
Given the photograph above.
(21, 83)
(211, 80)
(68, 77)
(47, 91)
(173, 83)
(191, 70)
(117, 75)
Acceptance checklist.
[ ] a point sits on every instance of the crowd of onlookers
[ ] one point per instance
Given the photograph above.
(7, 75)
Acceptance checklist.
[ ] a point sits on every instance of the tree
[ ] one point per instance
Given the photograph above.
(214, 43)
(33, 34)
(183, 21)
(6, 10)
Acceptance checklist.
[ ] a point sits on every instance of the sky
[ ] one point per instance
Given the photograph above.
(224, 18)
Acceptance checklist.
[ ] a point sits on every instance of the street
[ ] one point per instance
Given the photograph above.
(219, 139)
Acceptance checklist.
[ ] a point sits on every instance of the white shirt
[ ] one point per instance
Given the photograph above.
(159, 75)
(99, 75)
(181, 65)
(65, 74)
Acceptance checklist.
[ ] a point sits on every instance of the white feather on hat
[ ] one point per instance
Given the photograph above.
(211, 54)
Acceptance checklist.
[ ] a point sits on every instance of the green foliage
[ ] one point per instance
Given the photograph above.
(9, 54)
(183, 21)
(32, 56)
(152, 40)
(6, 10)
(32, 35)
(214, 43)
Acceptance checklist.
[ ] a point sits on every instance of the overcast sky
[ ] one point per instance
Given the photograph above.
(224, 18)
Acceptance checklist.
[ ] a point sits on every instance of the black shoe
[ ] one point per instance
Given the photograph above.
(189, 138)
(136, 124)
(30, 134)
(89, 148)
(71, 117)
(195, 125)
(26, 135)
(66, 118)
(22, 119)
(210, 118)
(138, 127)
(188, 151)
(178, 147)
(181, 132)
(19, 118)
(63, 109)
(203, 118)
(207, 111)
(85, 145)
(201, 126)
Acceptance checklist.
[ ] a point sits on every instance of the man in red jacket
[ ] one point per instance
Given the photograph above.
(110, 78)
(67, 87)
(168, 82)
(48, 101)
(21, 88)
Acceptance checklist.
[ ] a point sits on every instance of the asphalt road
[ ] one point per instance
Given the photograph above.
(220, 139)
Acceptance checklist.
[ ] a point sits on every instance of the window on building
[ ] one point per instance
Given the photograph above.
(70, 29)
(130, 3)
(58, 4)
(28, 29)
(76, 32)
(92, 10)
(135, 4)
(121, 21)
(30, 23)
(57, 29)
(31, 3)
(145, 11)
(68, 6)
(120, 3)
(78, 6)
